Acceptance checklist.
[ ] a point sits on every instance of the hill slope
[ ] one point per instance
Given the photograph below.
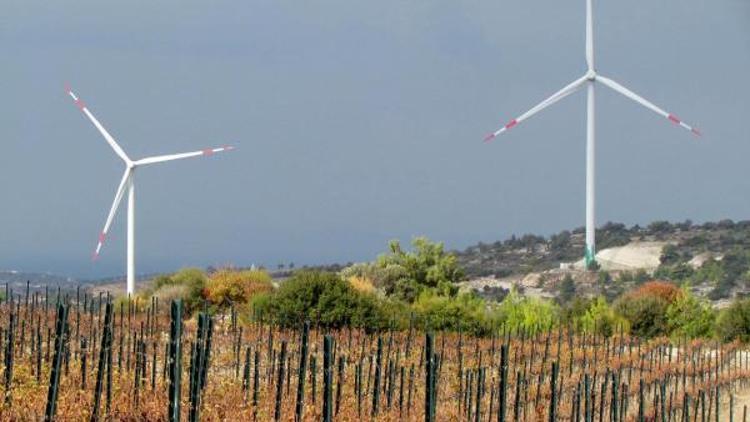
(712, 258)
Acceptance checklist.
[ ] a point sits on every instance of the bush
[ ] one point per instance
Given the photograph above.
(690, 317)
(492, 293)
(734, 322)
(735, 265)
(669, 292)
(645, 314)
(531, 314)
(640, 277)
(186, 284)
(362, 284)
(669, 255)
(645, 308)
(574, 310)
(227, 287)
(466, 311)
(710, 271)
(324, 299)
(595, 315)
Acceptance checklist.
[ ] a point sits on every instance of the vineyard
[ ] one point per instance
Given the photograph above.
(77, 357)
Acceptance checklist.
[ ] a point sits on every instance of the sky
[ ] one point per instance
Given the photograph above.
(356, 123)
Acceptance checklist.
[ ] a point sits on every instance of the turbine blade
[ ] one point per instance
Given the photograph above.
(644, 102)
(170, 157)
(110, 140)
(589, 35)
(124, 183)
(559, 95)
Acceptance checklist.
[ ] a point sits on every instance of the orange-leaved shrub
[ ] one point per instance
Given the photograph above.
(661, 289)
(645, 308)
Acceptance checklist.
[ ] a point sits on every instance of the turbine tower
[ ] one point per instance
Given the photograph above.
(589, 80)
(128, 183)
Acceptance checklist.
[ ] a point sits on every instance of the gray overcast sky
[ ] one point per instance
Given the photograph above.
(356, 122)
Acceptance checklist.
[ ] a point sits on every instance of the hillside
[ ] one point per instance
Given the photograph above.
(712, 258)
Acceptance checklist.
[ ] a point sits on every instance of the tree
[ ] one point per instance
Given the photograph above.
(560, 241)
(669, 255)
(735, 265)
(567, 289)
(405, 275)
(660, 227)
(604, 278)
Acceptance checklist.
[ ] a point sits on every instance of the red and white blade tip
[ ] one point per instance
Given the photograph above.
(211, 151)
(507, 126)
(676, 120)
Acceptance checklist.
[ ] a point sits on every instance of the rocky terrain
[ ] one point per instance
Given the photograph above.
(712, 259)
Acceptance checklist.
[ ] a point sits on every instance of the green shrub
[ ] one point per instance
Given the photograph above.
(531, 314)
(574, 310)
(599, 317)
(690, 317)
(710, 272)
(324, 299)
(647, 315)
(670, 255)
(466, 311)
(733, 322)
(591, 315)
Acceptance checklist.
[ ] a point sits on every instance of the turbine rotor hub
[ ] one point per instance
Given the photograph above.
(591, 75)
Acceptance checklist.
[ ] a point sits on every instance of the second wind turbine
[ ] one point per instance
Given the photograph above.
(589, 80)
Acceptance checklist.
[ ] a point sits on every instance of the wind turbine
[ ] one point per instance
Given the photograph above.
(589, 80)
(128, 183)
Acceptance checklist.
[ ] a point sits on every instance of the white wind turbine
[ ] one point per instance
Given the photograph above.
(589, 80)
(127, 183)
